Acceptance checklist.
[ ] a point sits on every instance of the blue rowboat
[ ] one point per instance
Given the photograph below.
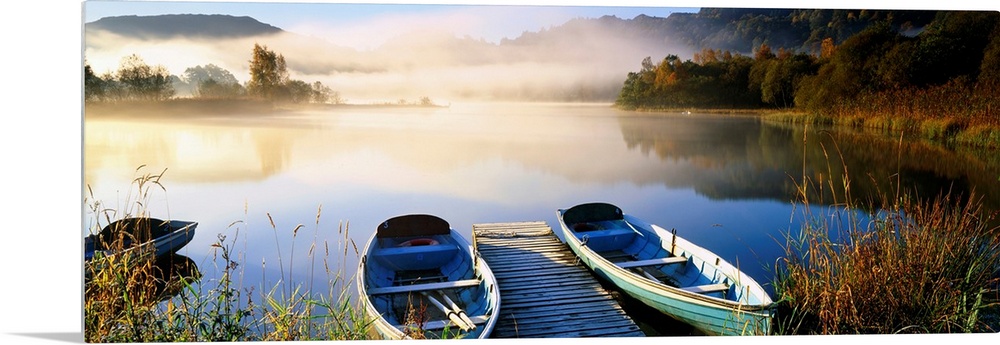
(665, 271)
(418, 277)
(140, 235)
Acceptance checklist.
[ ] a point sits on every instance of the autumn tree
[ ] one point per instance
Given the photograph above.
(268, 73)
(826, 48)
(763, 52)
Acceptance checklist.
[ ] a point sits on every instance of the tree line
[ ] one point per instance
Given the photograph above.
(955, 57)
(135, 80)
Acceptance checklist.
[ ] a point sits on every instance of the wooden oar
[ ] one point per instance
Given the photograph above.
(649, 276)
(457, 309)
(457, 320)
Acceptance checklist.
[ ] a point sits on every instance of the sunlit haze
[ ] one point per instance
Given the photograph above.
(375, 52)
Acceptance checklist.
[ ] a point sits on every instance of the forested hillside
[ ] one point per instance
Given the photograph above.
(949, 65)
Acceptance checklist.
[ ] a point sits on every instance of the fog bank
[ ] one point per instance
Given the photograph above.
(582, 60)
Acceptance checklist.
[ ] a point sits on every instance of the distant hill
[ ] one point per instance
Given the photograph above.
(737, 30)
(183, 25)
(536, 65)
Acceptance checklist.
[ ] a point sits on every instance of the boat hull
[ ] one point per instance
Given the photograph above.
(708, 314)
(170, 237)
(478, 291)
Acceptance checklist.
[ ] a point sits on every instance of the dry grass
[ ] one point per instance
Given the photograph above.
(916, 266)
(125, 299)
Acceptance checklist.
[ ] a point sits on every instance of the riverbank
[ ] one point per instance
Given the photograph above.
(945, 130)
(971, 130)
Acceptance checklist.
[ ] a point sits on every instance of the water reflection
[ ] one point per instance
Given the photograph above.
(194, 152)
(171, 272)
(719, 157)
(724, 182)
(169, 275)
(742, 158)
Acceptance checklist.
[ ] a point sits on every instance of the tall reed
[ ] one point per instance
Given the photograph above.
(120, 290)
(122, 303)
(914, 266)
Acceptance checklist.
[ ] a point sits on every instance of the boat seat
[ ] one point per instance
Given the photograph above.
(708, 288)
(441, 324)
(653, 262)
(416, 257)
(424, 287)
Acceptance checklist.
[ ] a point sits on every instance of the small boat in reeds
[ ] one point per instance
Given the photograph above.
(142, 235)
(419, 278)
(665, 271)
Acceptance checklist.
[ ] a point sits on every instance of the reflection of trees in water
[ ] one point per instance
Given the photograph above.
(274, 151)
(719, 157)
(878, 164)
(743, 158)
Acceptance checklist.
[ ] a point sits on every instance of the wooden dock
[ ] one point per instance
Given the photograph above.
(544, 290)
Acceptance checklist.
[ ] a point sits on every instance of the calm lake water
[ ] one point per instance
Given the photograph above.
(726, 183)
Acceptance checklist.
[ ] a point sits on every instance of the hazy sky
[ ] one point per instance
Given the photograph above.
(365, 26)
(414, 65)
(419, 59)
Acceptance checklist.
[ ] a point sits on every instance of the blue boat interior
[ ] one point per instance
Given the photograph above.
(602, 228)
(416, 259)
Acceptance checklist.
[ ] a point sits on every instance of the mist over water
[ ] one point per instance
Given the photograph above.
(584, 61)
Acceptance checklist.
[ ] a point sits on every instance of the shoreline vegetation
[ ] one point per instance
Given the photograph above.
(948, 131)
(941, 82)
(138, 89)
(905, 264)
(912, 267)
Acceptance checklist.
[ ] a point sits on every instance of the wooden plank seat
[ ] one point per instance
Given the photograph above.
(708, 288)
(441, 324)
(424, 287)
(653, 262)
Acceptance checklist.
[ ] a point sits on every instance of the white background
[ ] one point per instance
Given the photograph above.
(40, 137)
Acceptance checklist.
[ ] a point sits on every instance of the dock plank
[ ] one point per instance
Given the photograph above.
(546, 292)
